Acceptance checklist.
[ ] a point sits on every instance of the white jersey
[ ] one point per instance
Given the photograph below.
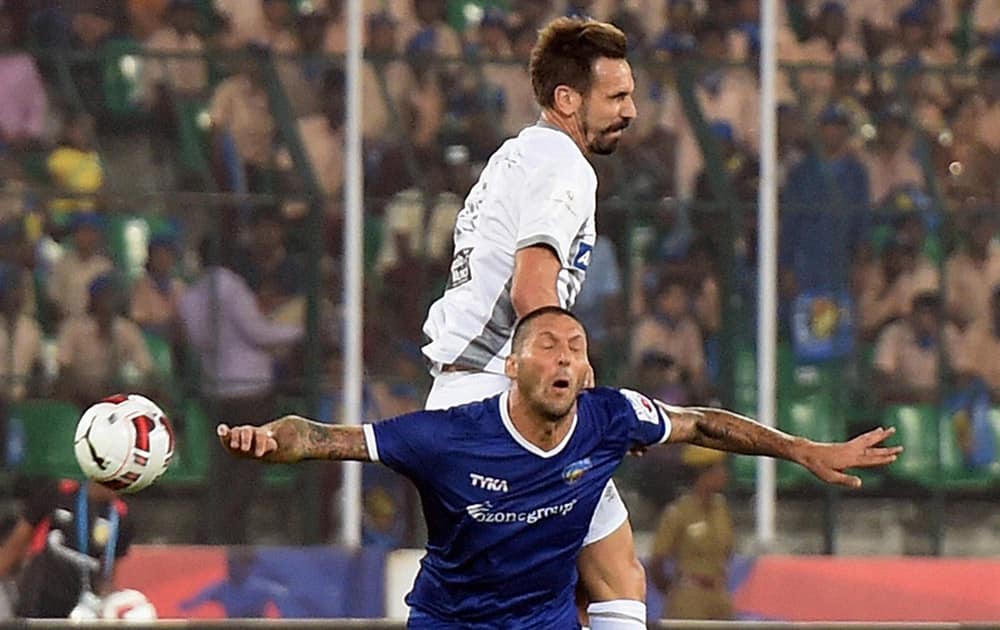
(537, 189)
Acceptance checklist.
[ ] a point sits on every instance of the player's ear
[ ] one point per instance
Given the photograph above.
(566, 100)
(510, 367)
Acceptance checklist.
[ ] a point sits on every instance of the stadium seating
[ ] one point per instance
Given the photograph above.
(933, 458)
(191, 453)
(49, 427)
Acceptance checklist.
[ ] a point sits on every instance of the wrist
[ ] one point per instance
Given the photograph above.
(800, 449)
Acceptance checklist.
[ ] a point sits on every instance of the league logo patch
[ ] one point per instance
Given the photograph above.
(644, 409)
(575, 471)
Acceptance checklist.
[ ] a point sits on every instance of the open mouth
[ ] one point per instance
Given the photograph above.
(561, 383)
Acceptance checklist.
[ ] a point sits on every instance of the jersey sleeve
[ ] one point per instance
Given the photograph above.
(554, 206)
(648, 423)
(407, 443)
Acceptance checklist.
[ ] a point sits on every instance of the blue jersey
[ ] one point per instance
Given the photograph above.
(506, 519)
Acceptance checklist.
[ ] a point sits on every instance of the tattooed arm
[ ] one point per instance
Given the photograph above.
(292, 439)
(728, 431)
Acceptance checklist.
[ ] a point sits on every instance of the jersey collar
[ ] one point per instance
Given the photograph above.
(522, 441)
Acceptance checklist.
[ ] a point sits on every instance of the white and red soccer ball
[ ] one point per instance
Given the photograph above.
(124, 442)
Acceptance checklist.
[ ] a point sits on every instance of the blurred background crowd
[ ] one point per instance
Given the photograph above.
(171, 213)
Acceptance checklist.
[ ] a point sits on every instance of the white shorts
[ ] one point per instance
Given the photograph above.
(451, 389)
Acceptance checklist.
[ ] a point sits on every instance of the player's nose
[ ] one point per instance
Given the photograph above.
(629, 110)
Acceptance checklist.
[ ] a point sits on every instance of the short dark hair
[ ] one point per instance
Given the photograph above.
(927, 301)
(523, 327)
(565, 54)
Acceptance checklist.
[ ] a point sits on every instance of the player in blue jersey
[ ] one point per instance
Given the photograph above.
(509, 484)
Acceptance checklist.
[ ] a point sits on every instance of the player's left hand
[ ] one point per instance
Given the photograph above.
(828, 461)
(247, 441)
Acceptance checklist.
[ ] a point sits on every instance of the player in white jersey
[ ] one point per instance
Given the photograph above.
(523, 241)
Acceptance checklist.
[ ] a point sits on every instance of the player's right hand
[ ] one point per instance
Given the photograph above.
(247, 441)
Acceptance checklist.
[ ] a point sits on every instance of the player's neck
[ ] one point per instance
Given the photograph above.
(568, 124)
(540, 430)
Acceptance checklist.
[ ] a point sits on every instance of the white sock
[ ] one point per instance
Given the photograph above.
(617, 614)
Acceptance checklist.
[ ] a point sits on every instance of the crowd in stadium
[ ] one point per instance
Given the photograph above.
(889, 126)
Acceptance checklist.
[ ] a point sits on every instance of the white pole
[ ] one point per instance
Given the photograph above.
(350, 509)
(767, 296)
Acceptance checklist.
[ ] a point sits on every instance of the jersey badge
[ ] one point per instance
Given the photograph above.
(461, 272)
(644, 409)
(575, 471)
(583, 256)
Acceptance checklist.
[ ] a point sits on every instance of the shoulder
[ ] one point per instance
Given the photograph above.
(614, 401)
(552, 152)
(128, 328)
(78, 325)
(895, 332)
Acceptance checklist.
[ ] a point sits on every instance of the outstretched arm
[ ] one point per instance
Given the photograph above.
(292, 439)
(728, 431)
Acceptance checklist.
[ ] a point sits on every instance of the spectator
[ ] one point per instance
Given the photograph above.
(724, 93)
(241, 110)
(887, 287)
(491, 40)
(963, 161)
(311, 40)
(234, 344)
(696, 534)
(658, 374)
(265, 23)
(274, 275)
(85, 24)
(23, 103)
(75, 168)
(50, 585)
(71, 277)
(828, 46)
(322, 136)
(825, 210)
(601, 305)
(146, 16)
(890, 161)
(386, 80)
(679, 38)
(669, 328)
(165, 77)
(424, 107)
(707, 294)
(972, 271)
(742, 169)
(530, 14)
(979, 344)
(101, 352)
(20, 338)
(988, 104)
(434, 36)
(911, 50)
(793, 141)
(156, 293)
(909, 350)
(508, 73)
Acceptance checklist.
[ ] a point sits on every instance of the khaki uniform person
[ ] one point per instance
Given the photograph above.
(696, 533)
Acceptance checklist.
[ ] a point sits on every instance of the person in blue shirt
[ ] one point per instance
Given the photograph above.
(509, 483)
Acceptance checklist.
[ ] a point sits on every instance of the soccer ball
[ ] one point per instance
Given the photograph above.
(124, 442)
(128, 604)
